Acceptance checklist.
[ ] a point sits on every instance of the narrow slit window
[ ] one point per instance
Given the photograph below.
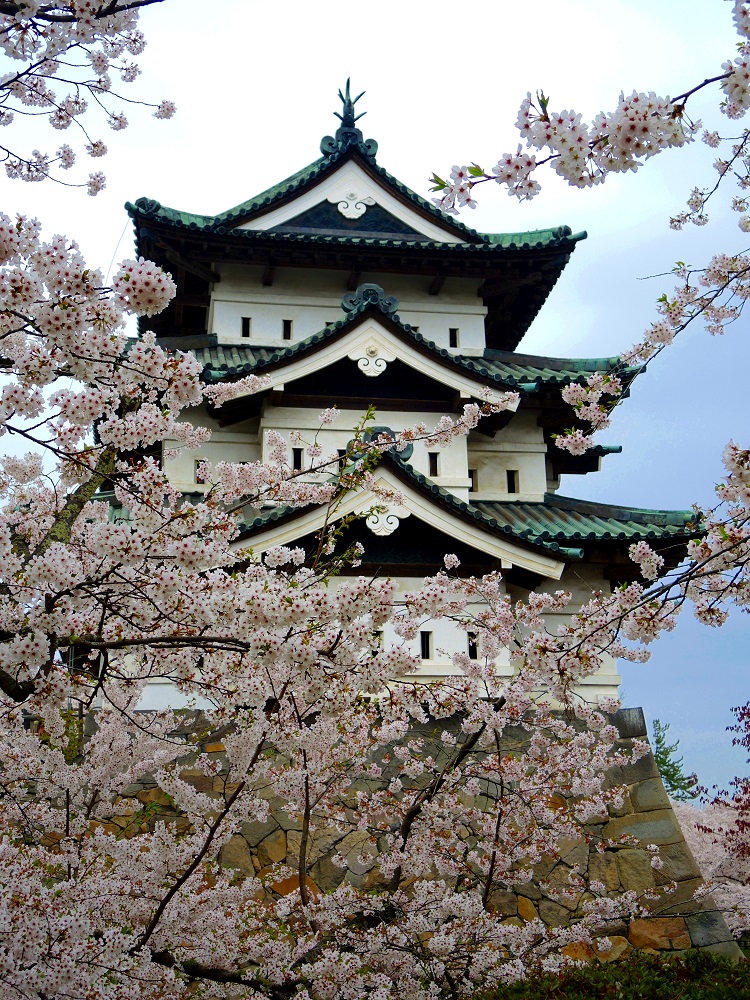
(425, 644)
(512, 476)
(474, 481)
(297, 459)
(286, 329)
(453, 336)
(342, 458)
(246, 326)
(200, 479)
(473, 641)
(432, 463)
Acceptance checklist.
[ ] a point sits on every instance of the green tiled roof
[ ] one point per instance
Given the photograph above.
(228, 221)
(567, 520)
(559, 525)
(524, 371)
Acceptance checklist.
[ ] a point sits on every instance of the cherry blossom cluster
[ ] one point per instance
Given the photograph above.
(61, 60)
(641, 126)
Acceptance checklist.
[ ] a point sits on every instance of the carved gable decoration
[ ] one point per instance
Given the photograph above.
(351, 195)
(353, 215)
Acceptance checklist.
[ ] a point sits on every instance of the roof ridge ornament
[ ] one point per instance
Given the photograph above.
(347, 134)
(368, 293)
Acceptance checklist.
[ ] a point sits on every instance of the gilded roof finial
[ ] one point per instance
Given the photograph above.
(348, 134)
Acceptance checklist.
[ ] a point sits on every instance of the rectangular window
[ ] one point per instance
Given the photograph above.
(432, 463)
(286, 325)
(452, 336)
(297, 459)
(198, 477)
(512, 476)
(473, 487)
(473, 646)
(425, 644)
(342, 458)
(246, 326)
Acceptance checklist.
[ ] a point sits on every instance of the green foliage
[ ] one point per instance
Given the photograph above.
(698, 975)
(679, 786)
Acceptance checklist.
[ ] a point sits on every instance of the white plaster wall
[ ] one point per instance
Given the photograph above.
(518, 446)
(452, 460)
(311, 300)
(238, 443)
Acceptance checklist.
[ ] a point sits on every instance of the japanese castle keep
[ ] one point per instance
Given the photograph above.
(343, 287)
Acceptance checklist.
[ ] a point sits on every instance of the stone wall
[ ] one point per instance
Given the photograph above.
(679, 922)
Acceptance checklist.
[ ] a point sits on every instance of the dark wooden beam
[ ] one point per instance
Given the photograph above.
(178, 260)
(436, 284)
(268, 274)
(355, 277)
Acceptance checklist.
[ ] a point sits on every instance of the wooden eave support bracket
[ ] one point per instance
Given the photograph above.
(436, 284)
(355, 276)
(178, 260)
(268, 274)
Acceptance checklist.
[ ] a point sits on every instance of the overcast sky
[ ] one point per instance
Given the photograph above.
(256, 85)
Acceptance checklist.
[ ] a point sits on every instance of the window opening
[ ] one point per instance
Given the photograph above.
(473, 487)
(425, 643)
(453, 336)
(200, 480)
(246, 326)
(432, 459)
(286, 329)
(296, 459)
(473, 646)
(512, 476)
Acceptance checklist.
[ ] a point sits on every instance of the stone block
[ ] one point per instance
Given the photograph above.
(574, 852)
(730, 949)
(272, 849)
(529, 889)
(630, 723)
(156, 796)
(682, 898)
(255, 831)
(327, 875)
(634, 869)
(659, 933)
(504, 902)
(603, 868)
(553, 914)
(649, 794)
(578, 951)
(198, 780)
(679, 863)
(236, 854)
(291, 884)
(629, 774)
(656, 827)
(620, 948)
(624, 810)
(526, 909)
(707, 928)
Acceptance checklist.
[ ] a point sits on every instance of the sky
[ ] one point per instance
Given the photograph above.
(255, 85)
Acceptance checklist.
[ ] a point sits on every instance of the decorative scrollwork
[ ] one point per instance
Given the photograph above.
(369, 293)
(384, 521)
(353, 205)
(372, 366)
